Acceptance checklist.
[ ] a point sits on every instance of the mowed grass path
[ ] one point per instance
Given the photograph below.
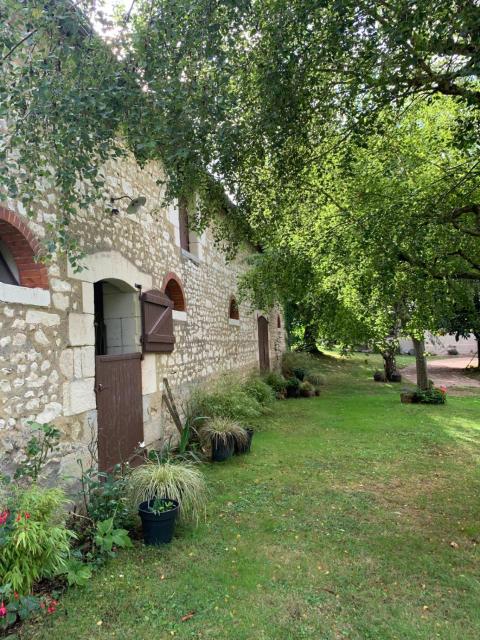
(354, 517)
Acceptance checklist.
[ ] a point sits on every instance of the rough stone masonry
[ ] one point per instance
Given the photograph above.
(47, 313)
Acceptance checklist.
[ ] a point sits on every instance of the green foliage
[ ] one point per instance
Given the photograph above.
(108, 538)
(160, 505)
(179, 481)
(276, 381)
(256, 387)
(315, 378)
(431, 396)
(226, 399)
(299, 372)
(16, 607)
(78, 573)
(222, 429)
(302, 362)
(35, 541)
(306, 388)
(103, 495)
(44, 440)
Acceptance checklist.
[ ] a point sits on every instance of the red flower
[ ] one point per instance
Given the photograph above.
(3, 610)
(27, 515)
(17, 519)
(3, 516)
(15, 595)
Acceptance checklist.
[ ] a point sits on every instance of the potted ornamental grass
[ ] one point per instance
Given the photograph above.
(164, 493)
(242, 446)
(307, 390)
(223, 435)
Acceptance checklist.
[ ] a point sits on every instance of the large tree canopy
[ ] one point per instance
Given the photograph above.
(252, 93)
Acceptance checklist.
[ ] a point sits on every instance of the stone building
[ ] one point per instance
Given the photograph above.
(89, 351)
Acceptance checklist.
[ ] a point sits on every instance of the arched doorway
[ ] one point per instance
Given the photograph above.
(118, 377)
(263, 344)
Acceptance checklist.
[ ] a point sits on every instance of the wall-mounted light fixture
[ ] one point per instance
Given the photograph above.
(134, 205)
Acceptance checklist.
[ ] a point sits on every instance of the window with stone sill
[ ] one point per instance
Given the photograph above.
(233, 313)
(174, 291)
(189, 240)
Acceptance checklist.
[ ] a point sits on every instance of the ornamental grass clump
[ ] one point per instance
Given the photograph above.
(221, 430)
(171, 480)
(315, 378)
(226, 399)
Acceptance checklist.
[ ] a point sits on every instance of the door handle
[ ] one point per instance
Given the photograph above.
(100, 387)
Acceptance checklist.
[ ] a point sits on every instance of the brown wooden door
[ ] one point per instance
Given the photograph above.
(119, 405)
(263, 346)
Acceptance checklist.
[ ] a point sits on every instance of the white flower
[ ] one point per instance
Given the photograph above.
(141, 445)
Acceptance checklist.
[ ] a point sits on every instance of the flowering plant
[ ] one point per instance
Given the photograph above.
(14, 607)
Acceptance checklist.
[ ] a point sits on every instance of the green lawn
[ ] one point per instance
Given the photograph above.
(354, 517)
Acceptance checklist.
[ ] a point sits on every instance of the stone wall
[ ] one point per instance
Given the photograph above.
(47, 336)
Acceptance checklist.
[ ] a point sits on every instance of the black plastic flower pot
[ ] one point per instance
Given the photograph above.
(158, 528)
(244, 447)
(222, 450)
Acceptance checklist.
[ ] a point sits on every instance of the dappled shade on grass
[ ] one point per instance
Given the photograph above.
(354, 517)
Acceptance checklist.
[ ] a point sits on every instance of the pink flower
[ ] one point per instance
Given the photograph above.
(3, 610)
(3, 517)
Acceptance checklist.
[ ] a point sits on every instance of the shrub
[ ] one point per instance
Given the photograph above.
(104, 495)
(259, 389)
(299, 372)
(34, 540)
(431, 396)
(220, 430)
(276, 381)
(174, 481)
(293, 385)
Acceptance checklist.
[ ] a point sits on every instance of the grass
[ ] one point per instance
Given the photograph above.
(354, 517)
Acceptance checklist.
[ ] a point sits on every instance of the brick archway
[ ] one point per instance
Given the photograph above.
(23, 246)
(172, 287)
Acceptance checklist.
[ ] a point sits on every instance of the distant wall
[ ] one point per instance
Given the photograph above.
(439, 345)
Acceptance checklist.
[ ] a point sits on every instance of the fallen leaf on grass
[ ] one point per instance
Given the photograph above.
(187, 616)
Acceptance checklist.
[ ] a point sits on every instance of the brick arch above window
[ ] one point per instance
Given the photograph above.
(172, 286)
(233, 312)
(23, 247)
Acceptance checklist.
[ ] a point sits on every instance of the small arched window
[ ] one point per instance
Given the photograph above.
(279, 323)
(233, 310)
(8, 269)
(18, 246)
(174, 291)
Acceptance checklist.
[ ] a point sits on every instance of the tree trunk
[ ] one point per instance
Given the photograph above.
(389, 364)
(421, 364)
(477, 336)
(310, 339)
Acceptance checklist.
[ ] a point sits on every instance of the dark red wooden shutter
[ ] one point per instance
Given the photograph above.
(183, 224)
(157, 334)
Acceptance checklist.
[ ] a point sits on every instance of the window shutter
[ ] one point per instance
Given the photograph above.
(157, 323)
